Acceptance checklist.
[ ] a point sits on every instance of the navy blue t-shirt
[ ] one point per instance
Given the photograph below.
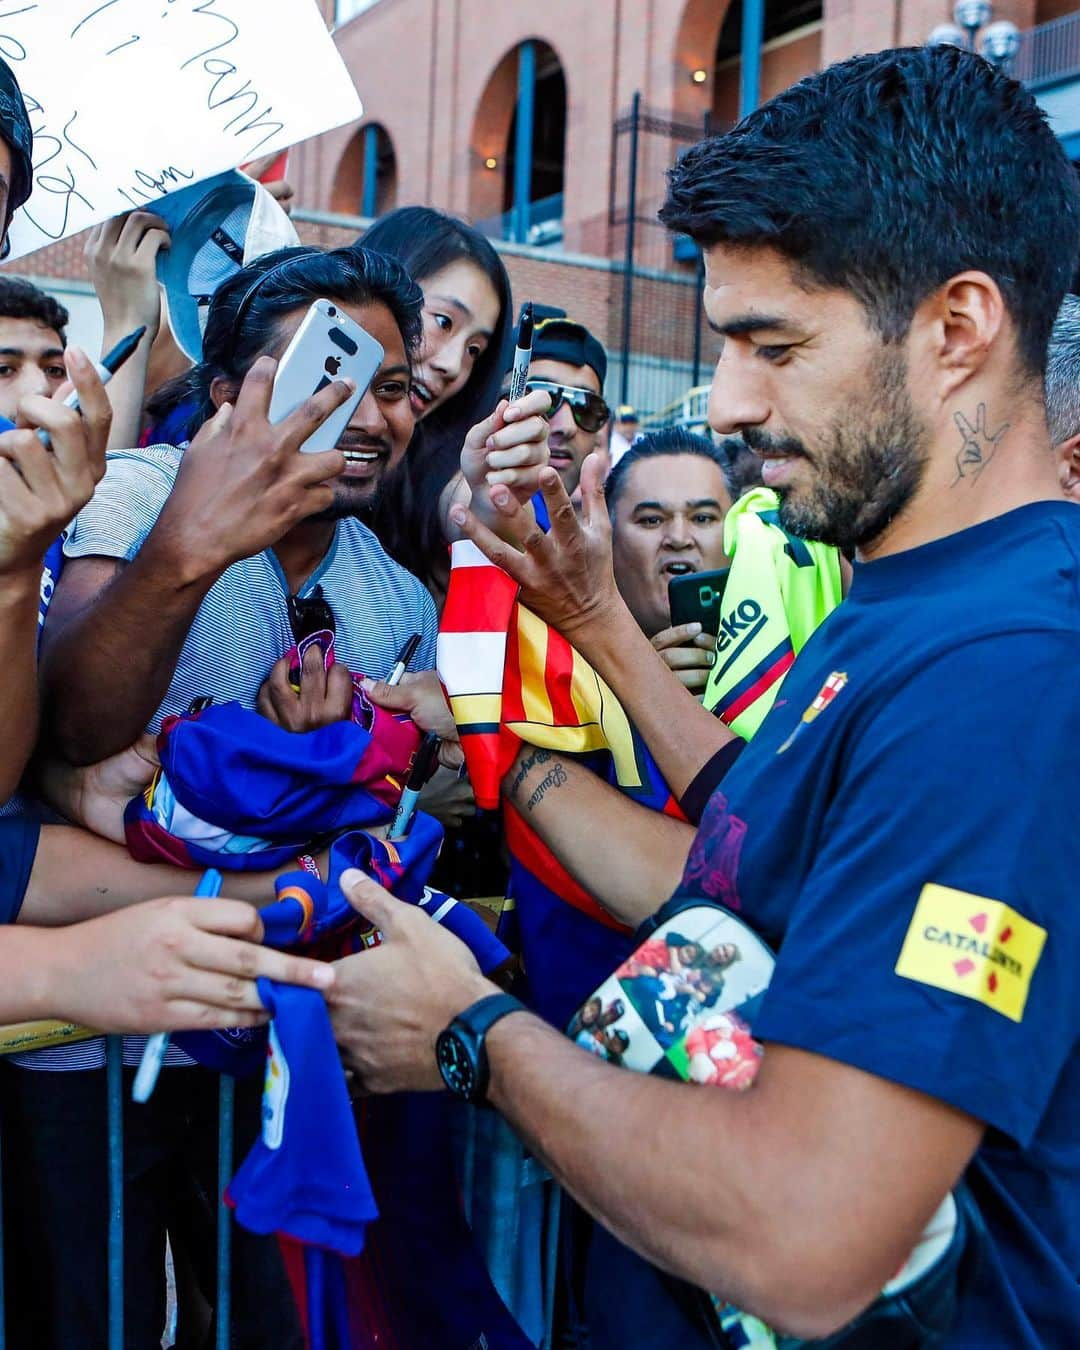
(18, 845)
(903, 829)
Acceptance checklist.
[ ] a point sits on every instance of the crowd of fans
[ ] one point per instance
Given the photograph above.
(860, 755)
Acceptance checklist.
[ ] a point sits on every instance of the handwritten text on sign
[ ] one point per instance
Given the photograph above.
(130, 99)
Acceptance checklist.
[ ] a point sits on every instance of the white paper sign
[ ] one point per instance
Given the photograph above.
(131, 99)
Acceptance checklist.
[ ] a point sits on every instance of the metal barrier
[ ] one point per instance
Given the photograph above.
(114, 1088)
(1049, 53)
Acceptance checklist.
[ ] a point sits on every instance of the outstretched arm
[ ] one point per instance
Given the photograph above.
(644, 852)
(862, 1161)
(566, 577)
(115, 631)
(40, 491)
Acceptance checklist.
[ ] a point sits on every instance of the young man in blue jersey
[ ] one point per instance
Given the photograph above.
(886, 245)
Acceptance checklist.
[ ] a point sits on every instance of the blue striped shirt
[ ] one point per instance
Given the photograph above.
(242, 626)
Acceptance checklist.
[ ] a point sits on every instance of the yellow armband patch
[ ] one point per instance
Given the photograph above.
(972, 946)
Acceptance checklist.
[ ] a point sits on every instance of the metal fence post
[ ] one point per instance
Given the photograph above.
(226, 1141)
(628, 260)
(369, 200)
(523, 141)
(753, 29)
(114, 1086)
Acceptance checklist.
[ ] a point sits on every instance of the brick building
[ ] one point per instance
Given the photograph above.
(514, 115)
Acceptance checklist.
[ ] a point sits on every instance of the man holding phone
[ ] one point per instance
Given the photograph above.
(667, 498)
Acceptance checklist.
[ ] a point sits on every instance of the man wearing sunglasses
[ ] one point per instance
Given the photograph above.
(570, 364)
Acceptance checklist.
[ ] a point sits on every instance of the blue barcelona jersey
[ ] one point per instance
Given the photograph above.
(902, 829)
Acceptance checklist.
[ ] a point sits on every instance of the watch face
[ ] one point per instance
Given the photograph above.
(456, 1064)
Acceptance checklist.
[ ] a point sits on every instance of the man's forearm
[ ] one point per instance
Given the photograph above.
(796, 1200)
(108, 665)
(655, 1180)
(681, 735)
(77, 875)
(19, 696)
(643, 852)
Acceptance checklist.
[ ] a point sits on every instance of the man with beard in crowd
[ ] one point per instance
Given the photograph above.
(900, 827)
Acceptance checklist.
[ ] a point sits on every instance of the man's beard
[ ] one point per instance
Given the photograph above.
(864, 471)
(352, 499)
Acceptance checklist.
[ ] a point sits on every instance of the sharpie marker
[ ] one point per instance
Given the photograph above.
(522, 353)
(109, 364)
(421, 772)
(404, 656)
(153, 1055)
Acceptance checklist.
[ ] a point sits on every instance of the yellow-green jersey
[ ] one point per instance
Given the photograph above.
(778, 591)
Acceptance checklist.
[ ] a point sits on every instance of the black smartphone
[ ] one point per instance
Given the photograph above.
(696, 597)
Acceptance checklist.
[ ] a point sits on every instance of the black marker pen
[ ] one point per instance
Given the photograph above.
(522, 353)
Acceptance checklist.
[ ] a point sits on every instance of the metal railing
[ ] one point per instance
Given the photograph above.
(543, 228)
(114, 1089)
(1050, 53)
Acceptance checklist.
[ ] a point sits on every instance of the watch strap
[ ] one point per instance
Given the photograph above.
(479, 1017)
(472, 1025)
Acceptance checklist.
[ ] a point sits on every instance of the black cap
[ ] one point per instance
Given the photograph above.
(15, 129)
(563, 339)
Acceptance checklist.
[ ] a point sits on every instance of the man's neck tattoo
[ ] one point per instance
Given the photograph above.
(977, 444)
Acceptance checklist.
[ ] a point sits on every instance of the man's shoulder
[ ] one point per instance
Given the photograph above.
(126, 502)
(153, 467)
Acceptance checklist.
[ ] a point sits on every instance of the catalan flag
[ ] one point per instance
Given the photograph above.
(779, 590)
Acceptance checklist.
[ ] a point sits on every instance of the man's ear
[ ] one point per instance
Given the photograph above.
(222, 391)
(1068, 460)
(966, 318)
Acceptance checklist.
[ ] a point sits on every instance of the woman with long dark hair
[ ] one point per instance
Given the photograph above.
(464, 354)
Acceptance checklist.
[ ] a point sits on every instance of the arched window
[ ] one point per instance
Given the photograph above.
(518, 144)
(366, 180)
(791, 48)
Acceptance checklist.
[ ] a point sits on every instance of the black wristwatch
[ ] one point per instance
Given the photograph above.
(460, 1051)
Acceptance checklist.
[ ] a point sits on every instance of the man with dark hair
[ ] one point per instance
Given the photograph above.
(179, 574)
(1063, 394)
(886, 244)
(32, 341)
(667, 498)
(570, 365)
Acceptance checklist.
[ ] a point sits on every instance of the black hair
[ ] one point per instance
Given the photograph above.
(21, 299)
(887, 174)
(246, 309)
(424, 241)
(669, 441)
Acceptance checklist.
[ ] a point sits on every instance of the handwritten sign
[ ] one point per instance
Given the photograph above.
(130, 99)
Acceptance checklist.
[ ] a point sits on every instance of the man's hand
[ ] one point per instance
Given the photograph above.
(689, 652)
(509, 448)
(566, 575)
(96, 796)
(325, 695)
(121, 257)
(169, 965)
(449, 798)
(42, 491)
(421, 696)
(389, 1004)
(242, 485)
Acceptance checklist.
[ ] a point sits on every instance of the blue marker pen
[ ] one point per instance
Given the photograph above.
(153, 1055)
(421, 772)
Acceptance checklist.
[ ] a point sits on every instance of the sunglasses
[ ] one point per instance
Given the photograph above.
(587, 409)
(309, 614)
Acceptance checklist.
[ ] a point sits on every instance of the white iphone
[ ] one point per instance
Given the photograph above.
(326, 346)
